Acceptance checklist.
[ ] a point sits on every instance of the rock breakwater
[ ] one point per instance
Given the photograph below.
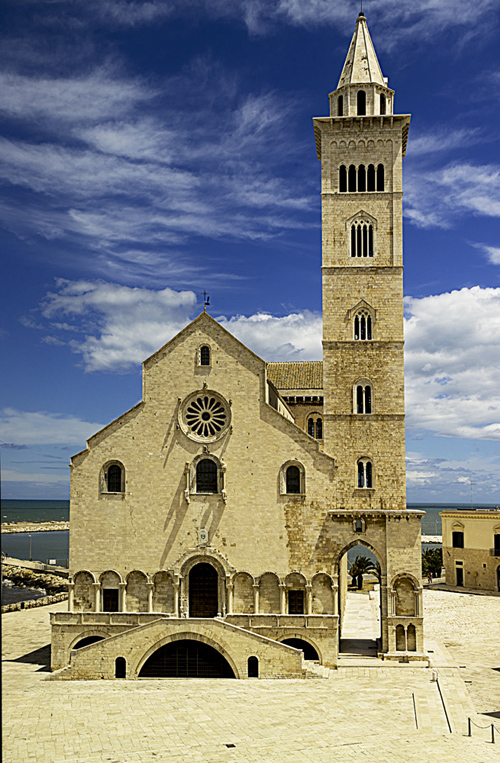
(33, 527)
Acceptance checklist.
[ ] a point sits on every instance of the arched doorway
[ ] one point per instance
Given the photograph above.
(186, 659)
(203, 591)
(359, 601)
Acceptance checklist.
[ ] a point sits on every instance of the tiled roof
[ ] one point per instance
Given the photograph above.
(296, 374)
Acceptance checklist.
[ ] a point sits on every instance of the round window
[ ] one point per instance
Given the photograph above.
(204, 416)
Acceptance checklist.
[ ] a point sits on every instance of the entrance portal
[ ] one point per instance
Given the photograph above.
(203, 591)
(186, 659)
(359, 602)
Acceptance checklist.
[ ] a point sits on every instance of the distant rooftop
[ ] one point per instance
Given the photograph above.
(296, 374)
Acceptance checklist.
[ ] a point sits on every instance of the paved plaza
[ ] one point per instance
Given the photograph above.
(365, 711)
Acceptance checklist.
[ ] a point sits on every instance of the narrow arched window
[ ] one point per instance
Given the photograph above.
(310, 427)
(361, 103)
(363, 398)
(380, 177)
(206, 476)
(120, 667)
(382, 103)
(114, 479)
(342, 179)
(352, 178)
(340, 106)
(362, 326)
(361, 239)
(365, 474)
(368, 473)
(361, 178)
(205, 355)
(371, 178)
(293, 479)
(253, 667)
(319, 429)
(359, 526)
(361, 474)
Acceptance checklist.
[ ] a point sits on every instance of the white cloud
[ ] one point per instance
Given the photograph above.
(451, 363)
(492, 252)
(433, 141)
(437, 198)
(42, 428)
(448, 479)
(291, 337)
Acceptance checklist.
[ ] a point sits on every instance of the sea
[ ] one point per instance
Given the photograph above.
(53, 547)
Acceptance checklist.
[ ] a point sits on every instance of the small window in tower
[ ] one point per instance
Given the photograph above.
(359, 526)
(361, 103)
(380, 177)
(361, 239)
(310, 427)
(361, 178)
(352, 178)
(319, 429)
(382, 103)
(340, 106)
(206, 476)
(293, 479)
(205, 355)
(342, 179)
(371, 178)
(363, 326)
(365, 474)
(359, 400)
(363, 403)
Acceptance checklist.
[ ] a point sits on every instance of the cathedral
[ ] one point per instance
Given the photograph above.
(210, 523)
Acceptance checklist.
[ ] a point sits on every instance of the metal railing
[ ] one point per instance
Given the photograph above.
(490, 725)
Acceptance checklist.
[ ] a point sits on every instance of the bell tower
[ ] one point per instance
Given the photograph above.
(361, 146)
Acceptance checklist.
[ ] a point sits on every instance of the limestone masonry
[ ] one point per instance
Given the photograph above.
(210, 523)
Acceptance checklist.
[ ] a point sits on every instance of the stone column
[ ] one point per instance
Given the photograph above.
(282, 599)
(177, 593)
(71, 597)
(97, 596)
(123, 597)
(230, 592)
(150, 596)
(335, 593)
(256, 598)
(308, 599)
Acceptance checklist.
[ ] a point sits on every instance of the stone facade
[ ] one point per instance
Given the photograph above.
(471, 548)
(219, 510)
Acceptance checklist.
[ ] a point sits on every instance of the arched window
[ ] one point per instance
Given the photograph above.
(293, 479)
(253, 667)
(361, 103)
(342, 179)
(380, 177)
(365, 474)
(315, 427)
(352, 178)
(205, 355)
(206, 476)
(363, 398)
(113, 478)
(340, 106)
(363, 326)
(361, 239)
(371, 178)
(120, 667)
(361, 178)
(358, 527)
(382, 103)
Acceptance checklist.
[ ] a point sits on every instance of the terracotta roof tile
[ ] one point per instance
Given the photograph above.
(296, 374)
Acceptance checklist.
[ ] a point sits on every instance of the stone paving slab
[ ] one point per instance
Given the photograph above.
(363, 713)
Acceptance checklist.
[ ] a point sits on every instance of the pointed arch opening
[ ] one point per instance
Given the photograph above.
(359, 598)
(361, 103)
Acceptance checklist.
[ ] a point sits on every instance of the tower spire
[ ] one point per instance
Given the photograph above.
(361, 65)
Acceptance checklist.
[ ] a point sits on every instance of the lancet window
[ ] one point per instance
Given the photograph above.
(361, 239)
(363, 326)
(365, 474)
(363, 398)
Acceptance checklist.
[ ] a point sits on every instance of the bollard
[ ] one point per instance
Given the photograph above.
(434, 676)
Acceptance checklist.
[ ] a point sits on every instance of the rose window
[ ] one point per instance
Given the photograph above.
(205, 416)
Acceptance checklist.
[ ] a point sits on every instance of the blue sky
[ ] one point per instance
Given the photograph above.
(151, 150)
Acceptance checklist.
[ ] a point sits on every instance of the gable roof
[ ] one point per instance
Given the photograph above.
(296, 374)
